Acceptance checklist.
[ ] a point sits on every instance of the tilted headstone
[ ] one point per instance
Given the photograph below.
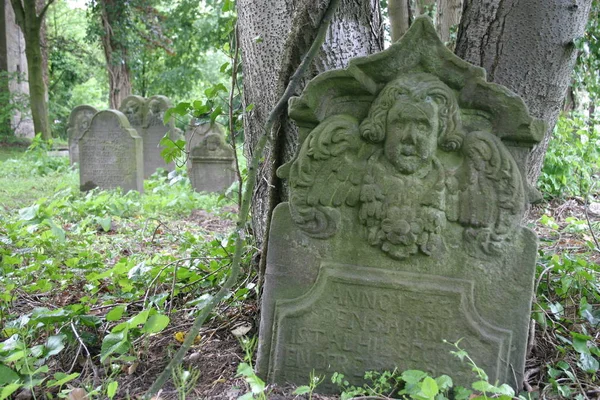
(146, 117)
(194, 135)
(402, 228)
(111, 154)
(79, 122)
(211, 164)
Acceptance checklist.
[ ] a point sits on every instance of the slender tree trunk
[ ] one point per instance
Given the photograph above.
(400, 17)
(528, 46)
(448, 16)
(116, 56)
(273, 37)
(30, 21)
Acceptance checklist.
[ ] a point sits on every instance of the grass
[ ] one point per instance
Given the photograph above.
(10, 152)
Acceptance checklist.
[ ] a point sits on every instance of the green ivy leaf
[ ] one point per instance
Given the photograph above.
(115, 314)
(301, 390)
(54, 345)
(111, 389)
(156, 323)
(61, 379)
(7, 375)
(114, 343)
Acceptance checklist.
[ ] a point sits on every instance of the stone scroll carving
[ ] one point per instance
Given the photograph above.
(402, 222)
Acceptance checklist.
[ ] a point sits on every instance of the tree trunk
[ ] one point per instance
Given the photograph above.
(400, 17)
(448, 16)
(30, 21)
(116, 56)
(37, 87)
(274, 36)
(528, 46)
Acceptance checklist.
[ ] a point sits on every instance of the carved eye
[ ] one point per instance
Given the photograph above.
(421, 126)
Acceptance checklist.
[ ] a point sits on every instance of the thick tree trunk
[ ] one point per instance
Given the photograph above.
(528, 46)
(448, 16)
(116, 56)
(37, 87)
(30, 21)
(274, 36)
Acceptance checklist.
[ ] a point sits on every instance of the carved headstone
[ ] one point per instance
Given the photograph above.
(211, 162)
(79, 122)
(146, 117)
(402, 227)
(111, 154)
(195, 133)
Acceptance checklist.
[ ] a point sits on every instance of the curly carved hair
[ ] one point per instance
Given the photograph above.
(417, 87)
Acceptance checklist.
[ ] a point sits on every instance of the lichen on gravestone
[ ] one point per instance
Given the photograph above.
(403, 225)
(111, 154)
(211, 158)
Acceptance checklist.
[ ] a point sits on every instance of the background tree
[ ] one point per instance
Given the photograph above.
(30, 19)
(529, 47)
(273, 37)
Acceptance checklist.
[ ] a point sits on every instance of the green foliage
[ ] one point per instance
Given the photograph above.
(572, 159)
(74, 250)
(76, 67)
(419, 385)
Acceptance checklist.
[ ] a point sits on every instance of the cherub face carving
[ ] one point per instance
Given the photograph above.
(411, 135)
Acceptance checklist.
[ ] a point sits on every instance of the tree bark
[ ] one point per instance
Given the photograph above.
(400, 15)
(274, 36)
(115, 54)
(448, 15)
(30, 21)
(528, 46)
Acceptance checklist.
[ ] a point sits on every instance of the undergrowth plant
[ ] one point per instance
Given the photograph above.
(110, 269)
(572, 161)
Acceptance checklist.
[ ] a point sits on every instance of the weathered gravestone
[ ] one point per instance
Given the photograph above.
(146, 117)
(402, 227)
(196, 132)
(79, 122)
(211, 161)
(110, 154)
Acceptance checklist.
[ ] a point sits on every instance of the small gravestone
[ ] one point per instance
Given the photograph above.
(79, 122)
(195, 134)
(110, 154)
(402, 226)
(154, 131)
(211, 163)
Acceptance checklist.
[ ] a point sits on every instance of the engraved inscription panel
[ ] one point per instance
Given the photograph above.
(107, 154)
(392, 320)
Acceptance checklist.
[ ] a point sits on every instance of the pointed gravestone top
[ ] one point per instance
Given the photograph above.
(403, 222)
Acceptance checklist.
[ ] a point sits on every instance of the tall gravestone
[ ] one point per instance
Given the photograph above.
(211, 159)
(402, 228)
(111, 154)
(146, 117)
(79, 122)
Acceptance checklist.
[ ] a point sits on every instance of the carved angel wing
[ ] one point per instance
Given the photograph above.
(326, 175)
(491, 198)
